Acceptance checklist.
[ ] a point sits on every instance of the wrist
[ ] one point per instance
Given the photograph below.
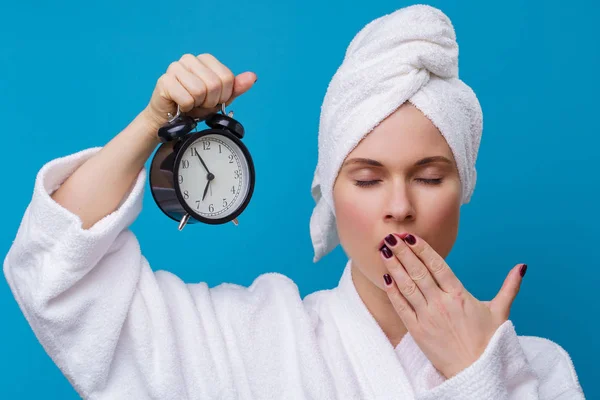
(147, 127)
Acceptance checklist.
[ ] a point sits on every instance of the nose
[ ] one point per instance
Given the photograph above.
(398, 203)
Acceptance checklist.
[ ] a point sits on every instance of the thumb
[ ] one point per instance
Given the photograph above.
(242, 83)
(502, 303)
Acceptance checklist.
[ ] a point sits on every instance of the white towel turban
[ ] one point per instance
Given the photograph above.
(408, 55)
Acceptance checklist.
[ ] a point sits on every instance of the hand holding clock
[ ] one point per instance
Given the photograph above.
(199, 85)
(196, 88)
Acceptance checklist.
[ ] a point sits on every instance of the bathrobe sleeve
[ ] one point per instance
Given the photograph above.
(511, 368)
(116, 329)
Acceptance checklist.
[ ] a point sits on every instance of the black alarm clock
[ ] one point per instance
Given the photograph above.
(202, 176)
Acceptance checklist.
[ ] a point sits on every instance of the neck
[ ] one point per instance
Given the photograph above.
(379, 305)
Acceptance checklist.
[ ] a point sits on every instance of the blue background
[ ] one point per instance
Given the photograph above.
(74, 75)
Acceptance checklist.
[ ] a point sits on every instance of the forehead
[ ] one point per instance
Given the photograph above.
(404, 137)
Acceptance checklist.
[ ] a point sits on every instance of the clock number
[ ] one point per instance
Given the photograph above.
(233, 189)
(231, 159)
(186, 195)
(192, 151)
(197, 204)
(224, 202)
(219, 149)
(185, 164)
(211, 208)
(206, 145)
(180, 179)
(237, 173)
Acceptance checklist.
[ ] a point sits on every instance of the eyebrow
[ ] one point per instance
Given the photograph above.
(375, 163)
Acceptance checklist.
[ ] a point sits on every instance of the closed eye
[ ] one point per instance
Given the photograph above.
(366, 183)
(375, 182)
(436, 181)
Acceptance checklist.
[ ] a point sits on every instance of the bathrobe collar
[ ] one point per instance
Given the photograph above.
(369, 348)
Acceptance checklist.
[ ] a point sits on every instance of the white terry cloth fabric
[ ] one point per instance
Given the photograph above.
(118, 330)
(408, 55)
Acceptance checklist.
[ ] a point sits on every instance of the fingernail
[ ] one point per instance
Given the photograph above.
(255, 80)
(410, 239)
(388, 279)
(523, 270)
(391, 239)
(387, 253)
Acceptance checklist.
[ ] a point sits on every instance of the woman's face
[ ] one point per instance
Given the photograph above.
(400, 192)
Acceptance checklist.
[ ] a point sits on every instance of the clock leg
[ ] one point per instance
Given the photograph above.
(184, 221)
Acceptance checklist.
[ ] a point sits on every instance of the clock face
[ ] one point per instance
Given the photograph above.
(213, 176)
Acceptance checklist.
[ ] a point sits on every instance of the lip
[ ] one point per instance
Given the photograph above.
(382, 242)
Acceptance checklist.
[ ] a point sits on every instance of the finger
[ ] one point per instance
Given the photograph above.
(190, 82)
(222, 72)
(399, 302)
(503, 301)
(435, 263)
(415, 268)
(406, 285)
(210, 79)
(239, 84)
(243, 82)
(176, 92)
(233, 86)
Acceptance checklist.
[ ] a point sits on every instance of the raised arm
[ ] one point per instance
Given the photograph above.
(114, 327)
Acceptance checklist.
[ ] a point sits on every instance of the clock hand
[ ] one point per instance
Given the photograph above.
(201, 160)
(210, 178)
(205, 190)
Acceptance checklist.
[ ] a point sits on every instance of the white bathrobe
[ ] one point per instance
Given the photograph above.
(118, 330)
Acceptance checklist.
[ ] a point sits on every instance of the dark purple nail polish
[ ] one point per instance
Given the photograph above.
(387, 253)
(410, 239)
(388, 279)
(523, 270)
(391, 239)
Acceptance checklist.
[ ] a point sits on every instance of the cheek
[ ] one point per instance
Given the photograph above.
(355, 217)
(443, 212)
(440, 223)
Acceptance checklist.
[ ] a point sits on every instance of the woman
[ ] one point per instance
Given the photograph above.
(398, 140)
